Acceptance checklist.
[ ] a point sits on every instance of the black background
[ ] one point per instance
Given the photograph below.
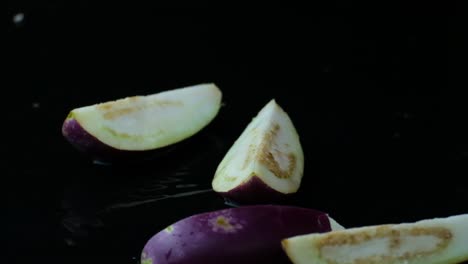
(377, 100)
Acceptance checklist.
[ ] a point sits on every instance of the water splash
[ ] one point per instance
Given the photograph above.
(231, 203)
(155, 199)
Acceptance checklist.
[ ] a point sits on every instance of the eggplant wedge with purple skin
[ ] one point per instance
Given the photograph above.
(142, 123)
(248, 235)
(431, 241)
(265, 164)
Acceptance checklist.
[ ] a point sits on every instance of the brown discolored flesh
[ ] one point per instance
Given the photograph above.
(395, 241)
(435, 241)
(248, 235)
(268, 151)
(111, 112)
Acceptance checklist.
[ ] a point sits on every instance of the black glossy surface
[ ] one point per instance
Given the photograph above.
(373, 100)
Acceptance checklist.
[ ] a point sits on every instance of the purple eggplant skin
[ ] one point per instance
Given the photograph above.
(255, 191)
(249, 234)
(83, 141)
(89, 145)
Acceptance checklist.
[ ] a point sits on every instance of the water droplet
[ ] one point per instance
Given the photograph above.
(180, 173)
(70, 242)
(230, 202)
(170, 180)
(156, 187)
(180, 186)
(101, 163)
(18, 18)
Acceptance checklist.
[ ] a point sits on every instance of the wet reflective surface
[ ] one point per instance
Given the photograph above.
(384, 136)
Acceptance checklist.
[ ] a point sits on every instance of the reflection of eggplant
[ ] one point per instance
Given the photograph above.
(266, 162)
(142, 124)
(249, 234)
(434, 241)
